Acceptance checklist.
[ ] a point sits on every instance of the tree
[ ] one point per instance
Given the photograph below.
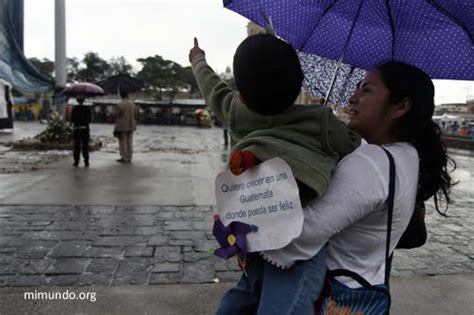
(187, 77)
(73, 69)
(96, 68)
(161, 75)
(44, 66)
(119, 65)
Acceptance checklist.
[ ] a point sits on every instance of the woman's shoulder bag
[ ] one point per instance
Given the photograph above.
(415, 235)
(339, 299)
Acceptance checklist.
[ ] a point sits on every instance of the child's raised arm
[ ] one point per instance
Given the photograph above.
(216, 92)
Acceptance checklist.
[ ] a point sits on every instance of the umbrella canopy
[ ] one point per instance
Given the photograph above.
(319, 74)
(83, 88)
(122, 82)
(434, 35)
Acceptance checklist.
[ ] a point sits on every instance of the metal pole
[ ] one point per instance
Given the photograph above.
(344, 50)
(333, 80)
(60, 67)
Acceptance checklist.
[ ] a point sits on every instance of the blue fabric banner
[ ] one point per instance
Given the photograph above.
(14, 66)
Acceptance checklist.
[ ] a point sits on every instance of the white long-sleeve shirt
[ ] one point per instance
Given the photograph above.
(352, 216)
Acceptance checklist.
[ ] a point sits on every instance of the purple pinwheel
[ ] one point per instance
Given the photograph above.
(231, 238)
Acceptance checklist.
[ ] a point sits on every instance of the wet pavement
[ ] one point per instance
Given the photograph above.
(150, 222)
(171, 166)
(416, 295)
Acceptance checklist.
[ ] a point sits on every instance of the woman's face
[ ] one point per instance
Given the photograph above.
(368, 105)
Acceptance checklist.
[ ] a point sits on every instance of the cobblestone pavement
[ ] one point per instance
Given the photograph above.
(87, 245)
(450, 246)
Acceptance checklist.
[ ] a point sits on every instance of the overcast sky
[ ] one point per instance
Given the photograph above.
(141, 28)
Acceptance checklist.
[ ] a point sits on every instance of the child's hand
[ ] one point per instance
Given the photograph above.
(195, 50)
(314, 100)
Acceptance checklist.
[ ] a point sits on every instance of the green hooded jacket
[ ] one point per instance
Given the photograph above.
(311, 139)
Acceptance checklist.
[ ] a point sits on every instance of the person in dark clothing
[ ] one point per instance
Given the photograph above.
(80, 118)
(226, 135)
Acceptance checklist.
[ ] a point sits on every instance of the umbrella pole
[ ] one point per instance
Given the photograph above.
(331, 86)
(344, 50)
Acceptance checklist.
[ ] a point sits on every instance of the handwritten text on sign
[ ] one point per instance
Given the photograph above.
(266, 196)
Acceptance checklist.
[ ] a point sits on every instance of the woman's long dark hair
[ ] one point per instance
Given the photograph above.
(418, 128)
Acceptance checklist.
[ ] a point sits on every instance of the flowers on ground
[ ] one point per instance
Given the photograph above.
(58, 130)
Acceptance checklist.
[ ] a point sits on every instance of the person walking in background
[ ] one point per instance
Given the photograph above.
(125, 125)
(455, 127)
(225, 129)
(81, 118)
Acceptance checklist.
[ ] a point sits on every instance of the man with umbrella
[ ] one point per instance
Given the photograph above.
(126, 111)
(81, 118)
(125, 125)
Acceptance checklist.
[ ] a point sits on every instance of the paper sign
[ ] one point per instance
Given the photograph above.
(266, 196)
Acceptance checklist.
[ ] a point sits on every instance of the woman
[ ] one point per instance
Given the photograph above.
(392, 107)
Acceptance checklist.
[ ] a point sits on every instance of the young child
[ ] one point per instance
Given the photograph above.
(263, 120)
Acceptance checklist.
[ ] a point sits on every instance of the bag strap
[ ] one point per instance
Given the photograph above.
(347, 273)
(390, 202)
(388, 258)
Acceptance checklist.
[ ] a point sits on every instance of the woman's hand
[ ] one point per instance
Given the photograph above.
(196, 50)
